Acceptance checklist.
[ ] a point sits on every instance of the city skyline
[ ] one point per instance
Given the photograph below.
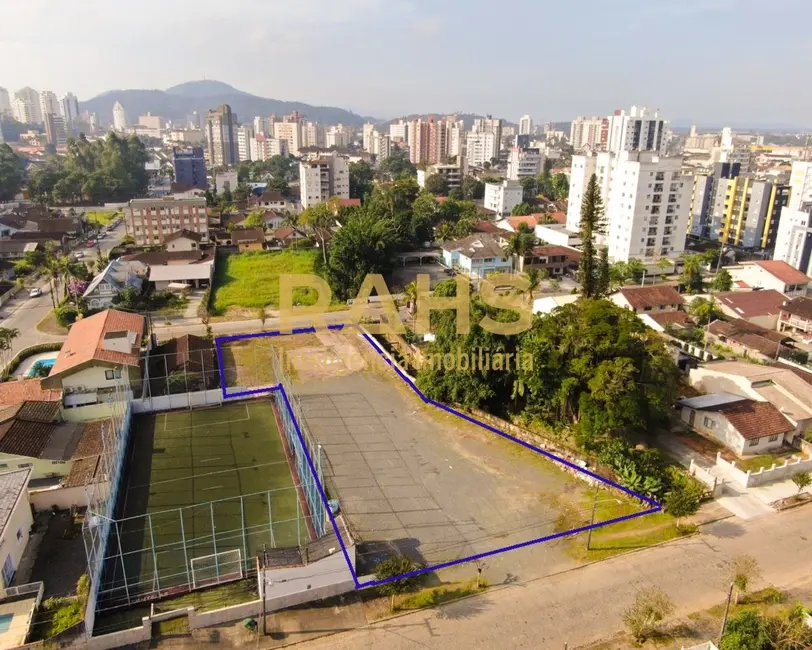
(614, 61)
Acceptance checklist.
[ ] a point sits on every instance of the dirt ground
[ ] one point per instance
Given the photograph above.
(61, 558)
(414, 479)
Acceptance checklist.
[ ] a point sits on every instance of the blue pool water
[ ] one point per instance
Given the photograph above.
(47, 363)
(5, 622)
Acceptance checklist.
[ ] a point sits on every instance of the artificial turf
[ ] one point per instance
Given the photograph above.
(186, 472)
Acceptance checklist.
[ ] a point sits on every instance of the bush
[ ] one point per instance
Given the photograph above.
(66, 316)
(396, 566)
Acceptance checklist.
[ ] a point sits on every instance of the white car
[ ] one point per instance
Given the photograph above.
(36, 292)
(78, 255)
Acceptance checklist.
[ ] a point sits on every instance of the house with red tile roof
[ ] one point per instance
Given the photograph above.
(770, 274)
(648, 299)
(796, 317)
(101, 352)
(745, 426)
(758, 307)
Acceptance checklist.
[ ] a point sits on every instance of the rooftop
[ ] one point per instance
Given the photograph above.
(158, 258)
(748, 304)
(657, 296)
(33, 429)
(14, 392)
(782, 271)
(247, 235)
(12, 485)
(476, 246)
(801, 306)
(184, 233)
(749, 335)
(754, 419)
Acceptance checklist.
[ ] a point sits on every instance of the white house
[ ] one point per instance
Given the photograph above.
(478, 255)
(15, 521)
(744, 426)
(771, 274)
(116, 276)
(557, 234)
(648, 299)
(183, 240)
(758, 307)
(502, 197)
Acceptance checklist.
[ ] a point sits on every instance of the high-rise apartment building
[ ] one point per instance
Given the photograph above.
(324, 177)
(429, 140)
(150, 221)
(489, 125)
(638, 130)
(244, 136)
(33, 112)
(190, 167)
(69, 109)
(481, 148)
(793, 242)
(24, 111)
(587, 132)
(367, 131)
(55, 130)
(399, 131)
(291, 132)
(119, 117)
(261, 125)
(5, 103)
(646, 203)
(800, 183)
(221, 135)
(313, 135)
(338, 136)
(524, 162)
(525, 125)
(48, 103)
(263, 147)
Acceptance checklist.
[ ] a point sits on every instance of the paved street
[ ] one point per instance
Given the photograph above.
(24, 313)
(584, 605)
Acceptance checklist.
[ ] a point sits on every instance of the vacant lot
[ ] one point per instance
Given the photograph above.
(251, 280)
(101, 217)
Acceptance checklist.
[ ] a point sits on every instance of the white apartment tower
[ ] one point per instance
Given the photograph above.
(5, 103)
(31, 98)
(586, 132)
(800, 184)
(69, 108)
(322, 178)
(526, 125)
(338, 136)
(523, 162)
(399, 130)
(313, 135)
(290, 132)
(638, 130)
(793, 243)
(119, 117)
(245, 134)
(48, 103)
(24, 111)
(367, 131)
(481, 148)
(502, 197)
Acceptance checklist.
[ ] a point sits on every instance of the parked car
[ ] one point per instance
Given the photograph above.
(78, 255)
(91, 243)
(36, 292)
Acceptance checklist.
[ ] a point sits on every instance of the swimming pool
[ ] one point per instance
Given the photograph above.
(42, 363)
(5, 622)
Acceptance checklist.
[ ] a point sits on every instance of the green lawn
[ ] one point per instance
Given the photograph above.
(101, 217)
(766, 461)
(251, 280)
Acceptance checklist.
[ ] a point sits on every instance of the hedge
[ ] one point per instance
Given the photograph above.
(27, 352)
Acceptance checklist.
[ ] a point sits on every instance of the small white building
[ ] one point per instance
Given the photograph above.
(15, 521)
(744, 426)
(524, 162)
(558, 235)
(502, 197)
(771, 274)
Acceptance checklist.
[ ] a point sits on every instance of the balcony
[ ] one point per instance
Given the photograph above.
(652, 232)
(658, 187)
(672, 198)
(669, 220)
(657, 199)
(660, 176)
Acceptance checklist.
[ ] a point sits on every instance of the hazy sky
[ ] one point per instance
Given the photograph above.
(708, 61)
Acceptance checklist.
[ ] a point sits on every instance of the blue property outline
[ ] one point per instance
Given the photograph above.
(656, 507)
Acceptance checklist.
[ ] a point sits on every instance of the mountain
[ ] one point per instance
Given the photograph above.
(179, 101)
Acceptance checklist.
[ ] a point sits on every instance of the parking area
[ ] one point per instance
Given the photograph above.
(403, 275)
(415, 480)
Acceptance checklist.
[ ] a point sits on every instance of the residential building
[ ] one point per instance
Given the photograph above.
(273, 200)
(525, 125)
(16, 523)
(581, 170)
(183, 241)
(119, 117)
(55, 130)
(291, 132)
(149, 221)
(771, 274)
(796, 317)
(512, 224)
(248, 239)
(745, 426)
(69, 109)
(367, 130)
(48, 103)
(557, 234)
(261, 125)
(793, 241)
(428, 140)
(638, 130)
(749, 340)
(245, 134)
(179, 277)
(478, 255)
(502, 197)
(150, 121)
(452, 173)
(263, 147)
(588, 132)
(489, 124)
(99, 352)
(323, 178)
(338, 136)
(117, 276)
(190, 167)
(456, 138)
(380, 145)
(313, 135)
(481, 148)
(33, 110)
(737, 209)
(759, 307)
(800, 183)
(553, 259)
(221, 135)
(5, 103)
(225, 180)
(642, 300)
(524, 162)
(399, 131)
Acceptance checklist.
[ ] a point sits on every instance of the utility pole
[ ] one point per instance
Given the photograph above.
(592, 518)
(727, 610)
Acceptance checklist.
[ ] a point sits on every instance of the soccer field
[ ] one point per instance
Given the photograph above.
(200, 483)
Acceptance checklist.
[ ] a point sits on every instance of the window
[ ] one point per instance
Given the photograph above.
(753, 442)
(708, 423)
(773, 438)
(24, 465)
(19, 535)
(3, 465)
(108, 374)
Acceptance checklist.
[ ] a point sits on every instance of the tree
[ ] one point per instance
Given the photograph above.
(521, 210)
(7, 336)
(255, 219)
(745, 631)
(530, 187)
(535, 276)
(520, 244)
(742, 571)
(472, 188)
(692, 274)
(650, 607)
(396, 165)
(704, 311)
(592, 224)
(11, 173)
(723, 281)
(604, 282)
(436, 184)
(392, 567)
(802, 480)
(320, 218)
(684, 498)
(364, 245)
(665, 265)
(361, 179)
(561, 186)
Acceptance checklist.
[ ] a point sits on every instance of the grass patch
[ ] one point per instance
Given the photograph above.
(233, 593)
(48, 325)
(57, 615)
(102, 217)
(173, 626)
(252, 279)
(431, 597)
(766, 460)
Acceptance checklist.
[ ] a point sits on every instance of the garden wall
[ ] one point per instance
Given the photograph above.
(122, 638)
(775, 473)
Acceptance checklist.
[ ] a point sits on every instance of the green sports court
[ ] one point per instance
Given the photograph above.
(210, 483)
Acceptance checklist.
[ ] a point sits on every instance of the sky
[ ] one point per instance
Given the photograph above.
(712, 62)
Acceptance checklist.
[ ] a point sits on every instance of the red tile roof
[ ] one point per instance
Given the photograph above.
(558, 217)
(188, 234)
(572, 254)
(679, 318)
(753, 303)
(14, 392)
(749, 335)
(487, 226)
(349, 202)
(255, 235)
(755, 419)
(801, 307)
(515, 222)
(642, 297)
(783, 271)
(85, 341)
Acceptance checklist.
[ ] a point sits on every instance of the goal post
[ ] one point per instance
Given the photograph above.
(216, 568)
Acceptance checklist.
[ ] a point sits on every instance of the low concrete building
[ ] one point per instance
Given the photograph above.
(553, 259)
(796, 317)
(758, 307)
(749, 340)
(248, 239)
(16, 521)
(745, 426)
(557, 235)
(502, 197)
(183, 240)
(478, 255)
(648, 299)
(177, 277)
(771, 274)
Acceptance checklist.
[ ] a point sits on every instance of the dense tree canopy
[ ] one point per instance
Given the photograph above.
(11, 173)
(396, 166)
(108, 169)
(437, 185)
(281, 168)
(472, 188)
(361, 179)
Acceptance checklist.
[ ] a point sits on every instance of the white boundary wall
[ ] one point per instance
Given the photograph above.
(775, 473)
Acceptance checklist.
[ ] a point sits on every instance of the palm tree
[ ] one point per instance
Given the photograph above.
(535, 276)
(410, 293)
(522, 242)
(7, 336)
(63, 263)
